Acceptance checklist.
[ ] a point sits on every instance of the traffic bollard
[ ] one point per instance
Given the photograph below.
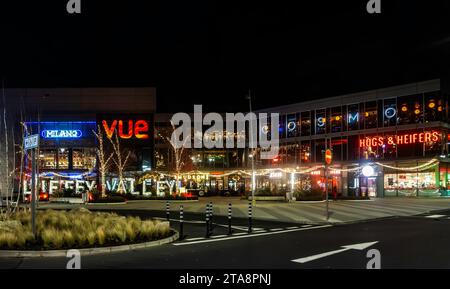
(181, 222)
(229, 219)
(207, 220)
(249, 217)
(211, 214)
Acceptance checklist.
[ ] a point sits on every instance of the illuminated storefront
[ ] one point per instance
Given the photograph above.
(401, 132)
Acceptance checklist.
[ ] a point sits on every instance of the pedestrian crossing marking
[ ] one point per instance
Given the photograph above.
(247, 235)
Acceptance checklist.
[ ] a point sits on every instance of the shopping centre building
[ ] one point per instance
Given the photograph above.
(385, 142)
(67, 120)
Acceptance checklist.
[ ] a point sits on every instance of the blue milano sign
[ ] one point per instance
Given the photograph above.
(61, 133)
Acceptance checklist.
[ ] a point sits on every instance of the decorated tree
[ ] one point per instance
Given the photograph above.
(120, 159)
(181, 155)
(103, 160)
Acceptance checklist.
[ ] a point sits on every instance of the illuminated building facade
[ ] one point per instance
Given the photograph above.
(67, 120)
(401, 132)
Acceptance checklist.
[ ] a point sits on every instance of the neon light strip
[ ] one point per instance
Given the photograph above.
(60, 122)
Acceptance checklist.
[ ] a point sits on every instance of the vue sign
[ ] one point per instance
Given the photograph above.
(126, 130)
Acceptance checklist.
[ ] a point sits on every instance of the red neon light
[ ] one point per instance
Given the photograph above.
(410, 138)
(139, 129)
(109, 130)
(328, 156)
(129, 134)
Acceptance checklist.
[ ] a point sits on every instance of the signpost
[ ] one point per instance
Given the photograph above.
(328, 158)
(31, 143)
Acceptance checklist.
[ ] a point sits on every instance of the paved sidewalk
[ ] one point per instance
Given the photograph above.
(295, 212)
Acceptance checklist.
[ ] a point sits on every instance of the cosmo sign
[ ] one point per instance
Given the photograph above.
(401, 139)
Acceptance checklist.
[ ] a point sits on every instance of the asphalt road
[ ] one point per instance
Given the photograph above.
(405, 242)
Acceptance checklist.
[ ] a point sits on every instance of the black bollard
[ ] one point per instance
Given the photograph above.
(207, 220)
(181, 222)
(211, 214)
(229, 219)
(168, 211)
(249, 217)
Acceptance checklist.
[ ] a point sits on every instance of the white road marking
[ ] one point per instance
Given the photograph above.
(250, 235)
(295, 227)
(218, 236)
(435, 216)
(242, 228)
(276, 229)
(306, 226)
(194, 239)
(239, 234)
(360, 246)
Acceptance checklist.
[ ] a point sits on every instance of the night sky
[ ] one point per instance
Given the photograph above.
(211, 52)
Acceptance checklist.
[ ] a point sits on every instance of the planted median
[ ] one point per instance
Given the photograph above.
(79, 228)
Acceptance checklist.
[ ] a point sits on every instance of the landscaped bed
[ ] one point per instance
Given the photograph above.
(77, 228)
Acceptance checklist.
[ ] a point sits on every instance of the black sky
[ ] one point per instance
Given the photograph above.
(210, 52)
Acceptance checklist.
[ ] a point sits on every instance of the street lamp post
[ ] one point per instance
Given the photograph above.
(249, 97)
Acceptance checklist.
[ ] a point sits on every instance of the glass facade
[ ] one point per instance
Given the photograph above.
(404, 110)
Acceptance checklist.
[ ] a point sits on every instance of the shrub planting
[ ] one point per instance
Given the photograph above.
(78, 228)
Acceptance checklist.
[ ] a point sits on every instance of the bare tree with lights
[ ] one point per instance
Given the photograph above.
(103, 160)
(120, 160)
(180, 154)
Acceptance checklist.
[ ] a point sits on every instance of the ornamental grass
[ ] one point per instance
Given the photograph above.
(78, 228)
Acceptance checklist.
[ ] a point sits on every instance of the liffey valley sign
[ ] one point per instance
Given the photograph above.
(79, 186)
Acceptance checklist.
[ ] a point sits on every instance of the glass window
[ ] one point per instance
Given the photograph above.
(336, 147)
(370, 114)
(321, 121)
(47, 159)
(433, 146)
(306, 123)
(405, 148)
(410, 109)
(63, 158)
(319, 148)
(353, 117)
(336, 119)
(389, 148)
(83, 158)
(282, 126)
(434, 107)
(291, 153)
(353, 148)
(291, 125)
(305, 151)
(390, 112)
(370, 147)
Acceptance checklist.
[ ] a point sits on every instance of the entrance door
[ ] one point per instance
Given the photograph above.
(368, 186)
